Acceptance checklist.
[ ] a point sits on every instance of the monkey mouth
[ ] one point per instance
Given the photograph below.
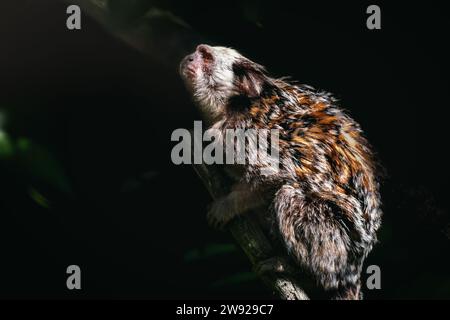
(189, 71)
(186, 69)
(188, 74)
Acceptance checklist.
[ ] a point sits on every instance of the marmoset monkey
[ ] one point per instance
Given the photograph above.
(324, 199)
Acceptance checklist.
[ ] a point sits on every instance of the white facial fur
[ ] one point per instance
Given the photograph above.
(208, 74)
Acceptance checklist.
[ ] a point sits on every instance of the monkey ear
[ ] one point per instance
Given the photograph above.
(250, 77)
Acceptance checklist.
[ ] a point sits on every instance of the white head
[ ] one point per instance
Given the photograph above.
(215, 74)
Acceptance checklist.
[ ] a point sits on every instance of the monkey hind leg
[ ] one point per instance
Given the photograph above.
(319, 239)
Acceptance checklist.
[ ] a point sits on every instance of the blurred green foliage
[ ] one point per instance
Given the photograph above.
(209, 251)
(125, 12)
(39, 198)
(34, 161)
(32, 165)
(217, 251)
(6, 147)
(235, 279)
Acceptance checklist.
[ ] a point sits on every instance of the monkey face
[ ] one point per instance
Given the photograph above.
(208, 67)
(215, 74)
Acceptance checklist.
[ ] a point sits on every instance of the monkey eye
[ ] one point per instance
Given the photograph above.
(205, 52)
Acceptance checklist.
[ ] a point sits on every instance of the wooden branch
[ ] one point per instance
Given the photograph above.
(250, 237)
(168, 47)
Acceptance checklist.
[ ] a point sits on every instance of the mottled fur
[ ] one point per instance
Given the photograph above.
(325, 198)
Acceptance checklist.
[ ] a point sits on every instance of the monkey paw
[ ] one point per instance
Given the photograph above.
(219, 213)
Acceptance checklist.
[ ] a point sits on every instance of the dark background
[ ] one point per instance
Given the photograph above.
(85, 124)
